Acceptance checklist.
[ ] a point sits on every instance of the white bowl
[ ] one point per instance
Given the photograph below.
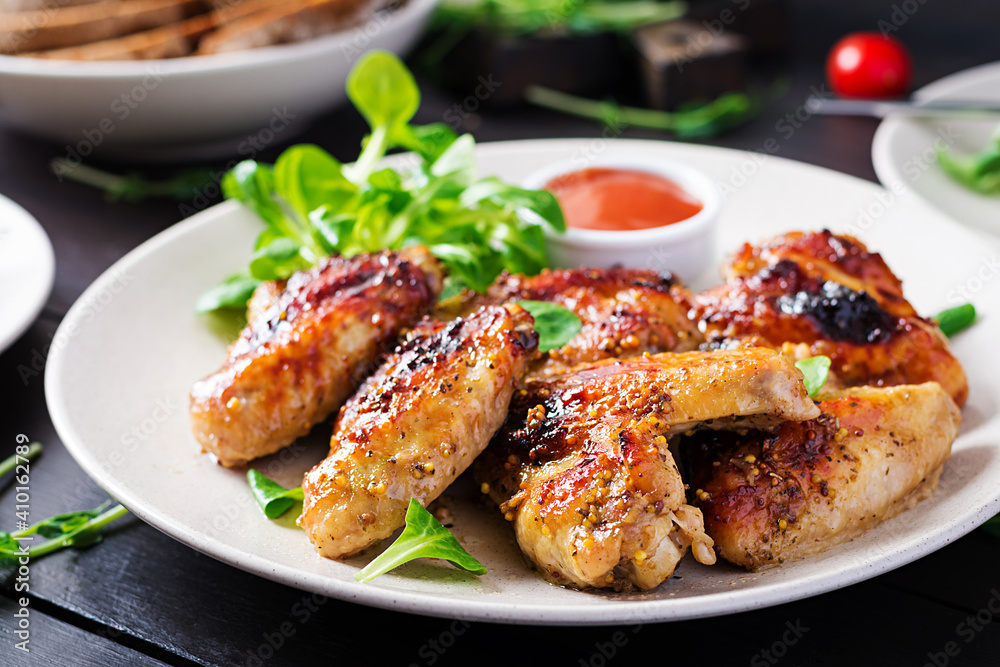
(685, 248)
(197, 107)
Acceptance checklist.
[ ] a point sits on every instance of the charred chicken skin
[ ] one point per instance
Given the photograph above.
(582, 469)
(624, 313)
(308, 343)
(814, 293)
(415, 425)
(772, 497)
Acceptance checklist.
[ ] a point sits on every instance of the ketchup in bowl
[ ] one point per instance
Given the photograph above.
(621, 199)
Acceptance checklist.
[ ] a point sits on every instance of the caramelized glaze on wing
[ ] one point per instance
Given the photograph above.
(582, 468)
(829, 294)
(415, 425)
(307, 345)
(772, 497)
(625, 313)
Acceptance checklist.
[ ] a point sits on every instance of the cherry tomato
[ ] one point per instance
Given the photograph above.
(868, 64)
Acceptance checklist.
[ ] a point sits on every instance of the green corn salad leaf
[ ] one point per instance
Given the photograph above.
(816, 370)
(423, 537)
(313, 206)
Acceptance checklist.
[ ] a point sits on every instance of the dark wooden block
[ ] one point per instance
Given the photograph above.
(683, 61)
(493, 70)
(764, 23)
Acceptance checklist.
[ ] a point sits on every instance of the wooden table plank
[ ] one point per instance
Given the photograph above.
(146, 585)
(946, 575)
(158, 592)
(53, 642)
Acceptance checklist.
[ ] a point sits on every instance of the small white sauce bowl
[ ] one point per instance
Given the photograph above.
(685, 248)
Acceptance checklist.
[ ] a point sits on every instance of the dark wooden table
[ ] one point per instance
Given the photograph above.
(142, 598)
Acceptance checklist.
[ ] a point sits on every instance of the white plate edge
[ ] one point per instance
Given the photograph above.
(706, 605)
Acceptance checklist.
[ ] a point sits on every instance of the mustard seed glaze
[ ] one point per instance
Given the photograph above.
(308, 344)
(624, 312)
(832, 297)
(773, 496)
(415, 425)
(582, 469)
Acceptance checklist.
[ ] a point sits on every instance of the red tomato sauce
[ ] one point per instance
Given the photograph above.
(621, 199)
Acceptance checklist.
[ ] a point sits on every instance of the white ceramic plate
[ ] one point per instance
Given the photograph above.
(27, 269)
(904, 157)
(117, 391)
(197, 107)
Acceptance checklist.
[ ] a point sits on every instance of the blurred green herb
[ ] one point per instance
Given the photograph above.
(314, 206)
(30, 451)
(273, 498)
(528, 17)
(233, 292)
(555, 324)
(423, 537)
(979, 172)
(816, 370)
(956, 319)
(992, 526)
(73, 529)
(133, 187)
(726, 111)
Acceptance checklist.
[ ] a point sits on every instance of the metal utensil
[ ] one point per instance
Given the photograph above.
(964, 109)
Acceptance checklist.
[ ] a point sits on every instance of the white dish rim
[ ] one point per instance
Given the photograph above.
(888, 172)
(506, 612)
(46, 265)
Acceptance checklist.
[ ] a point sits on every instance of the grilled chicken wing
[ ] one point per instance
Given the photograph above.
(772, 497)
(415, 425)
(814, 293)
(309, 342)
(582, 468)
(624, 312)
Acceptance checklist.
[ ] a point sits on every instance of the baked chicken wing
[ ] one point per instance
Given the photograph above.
(415, 425)
(582, 468)
(815, 293)
(624, 312)
(772, 497)
(308, 344)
